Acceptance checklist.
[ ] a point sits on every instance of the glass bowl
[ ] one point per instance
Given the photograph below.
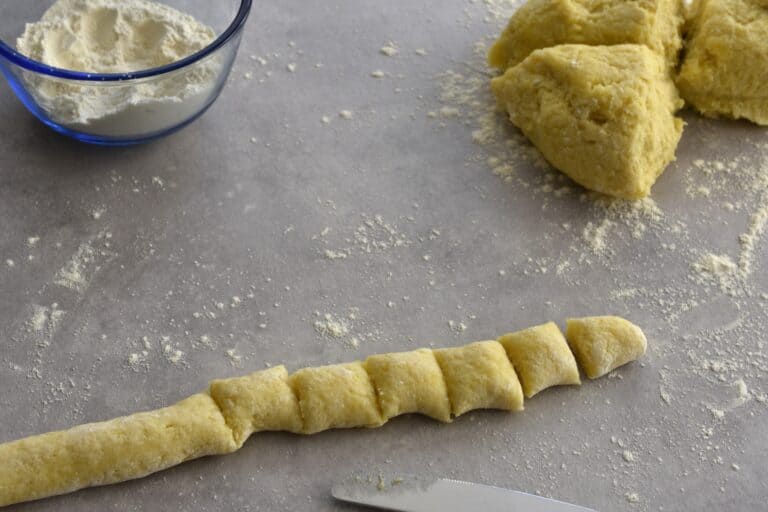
(130, 121)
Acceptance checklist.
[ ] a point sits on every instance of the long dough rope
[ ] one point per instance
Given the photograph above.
(442, 384)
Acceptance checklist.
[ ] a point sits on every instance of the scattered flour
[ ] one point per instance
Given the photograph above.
(98, 212)
(331, 326)
(40, 318)
(389, 49)
(349, 328)
(138, 360)
(234, 357)
(375, 235)
(335, 255)
(457, 327)
(743, 395)
(596, 236)
(718, 268)
(44, 323)
(172, 355)
(372, 235)
(90, 256)
(73, 274)
(449, 112)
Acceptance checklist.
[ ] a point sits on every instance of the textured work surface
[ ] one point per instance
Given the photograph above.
(217, 255)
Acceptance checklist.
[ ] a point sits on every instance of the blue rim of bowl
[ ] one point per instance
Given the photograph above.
(38, 67)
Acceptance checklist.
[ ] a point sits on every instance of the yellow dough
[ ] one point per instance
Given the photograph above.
(480, 376)
(546, 23)
(439, 383)
(112, 451)
(725, 70)
(603, 115)
(541, 357)
(409, 382)
(603, 343)
(336, 396)
(260, 401)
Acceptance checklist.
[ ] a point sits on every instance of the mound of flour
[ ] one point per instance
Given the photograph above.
(119, 36)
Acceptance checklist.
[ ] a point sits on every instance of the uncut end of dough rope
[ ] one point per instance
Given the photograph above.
(441, 384)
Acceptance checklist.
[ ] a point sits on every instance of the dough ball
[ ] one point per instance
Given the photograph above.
(603, 343)
(479, 376)
(260, 401)
(725, 70)
(541, 357)
(603, 115)
(336, 396)
(409, 382)
(546, 23)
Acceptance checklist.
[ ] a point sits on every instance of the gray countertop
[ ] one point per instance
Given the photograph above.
(231, 241)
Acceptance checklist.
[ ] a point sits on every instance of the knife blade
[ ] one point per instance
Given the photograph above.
(420, 494)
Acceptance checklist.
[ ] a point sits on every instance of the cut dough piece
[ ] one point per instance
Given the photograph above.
(260, 401)
(336, 396)
(603, 343)
(409, 382)
(604, 115)
(725, 70)
(480, 376)
(541, 357)
(546, 23)
(112, 451)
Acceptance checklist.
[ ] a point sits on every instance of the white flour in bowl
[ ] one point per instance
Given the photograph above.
(119, 36)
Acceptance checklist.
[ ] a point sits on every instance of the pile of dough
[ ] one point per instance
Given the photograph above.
(546, 23)
(590, 82)
(725, 70)
(441, 383)
(604, 115)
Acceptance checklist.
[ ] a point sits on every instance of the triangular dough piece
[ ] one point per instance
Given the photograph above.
(546, 23)
(604, 115)
(725, 71)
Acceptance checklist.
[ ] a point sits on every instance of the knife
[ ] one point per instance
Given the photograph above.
(420, 494)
